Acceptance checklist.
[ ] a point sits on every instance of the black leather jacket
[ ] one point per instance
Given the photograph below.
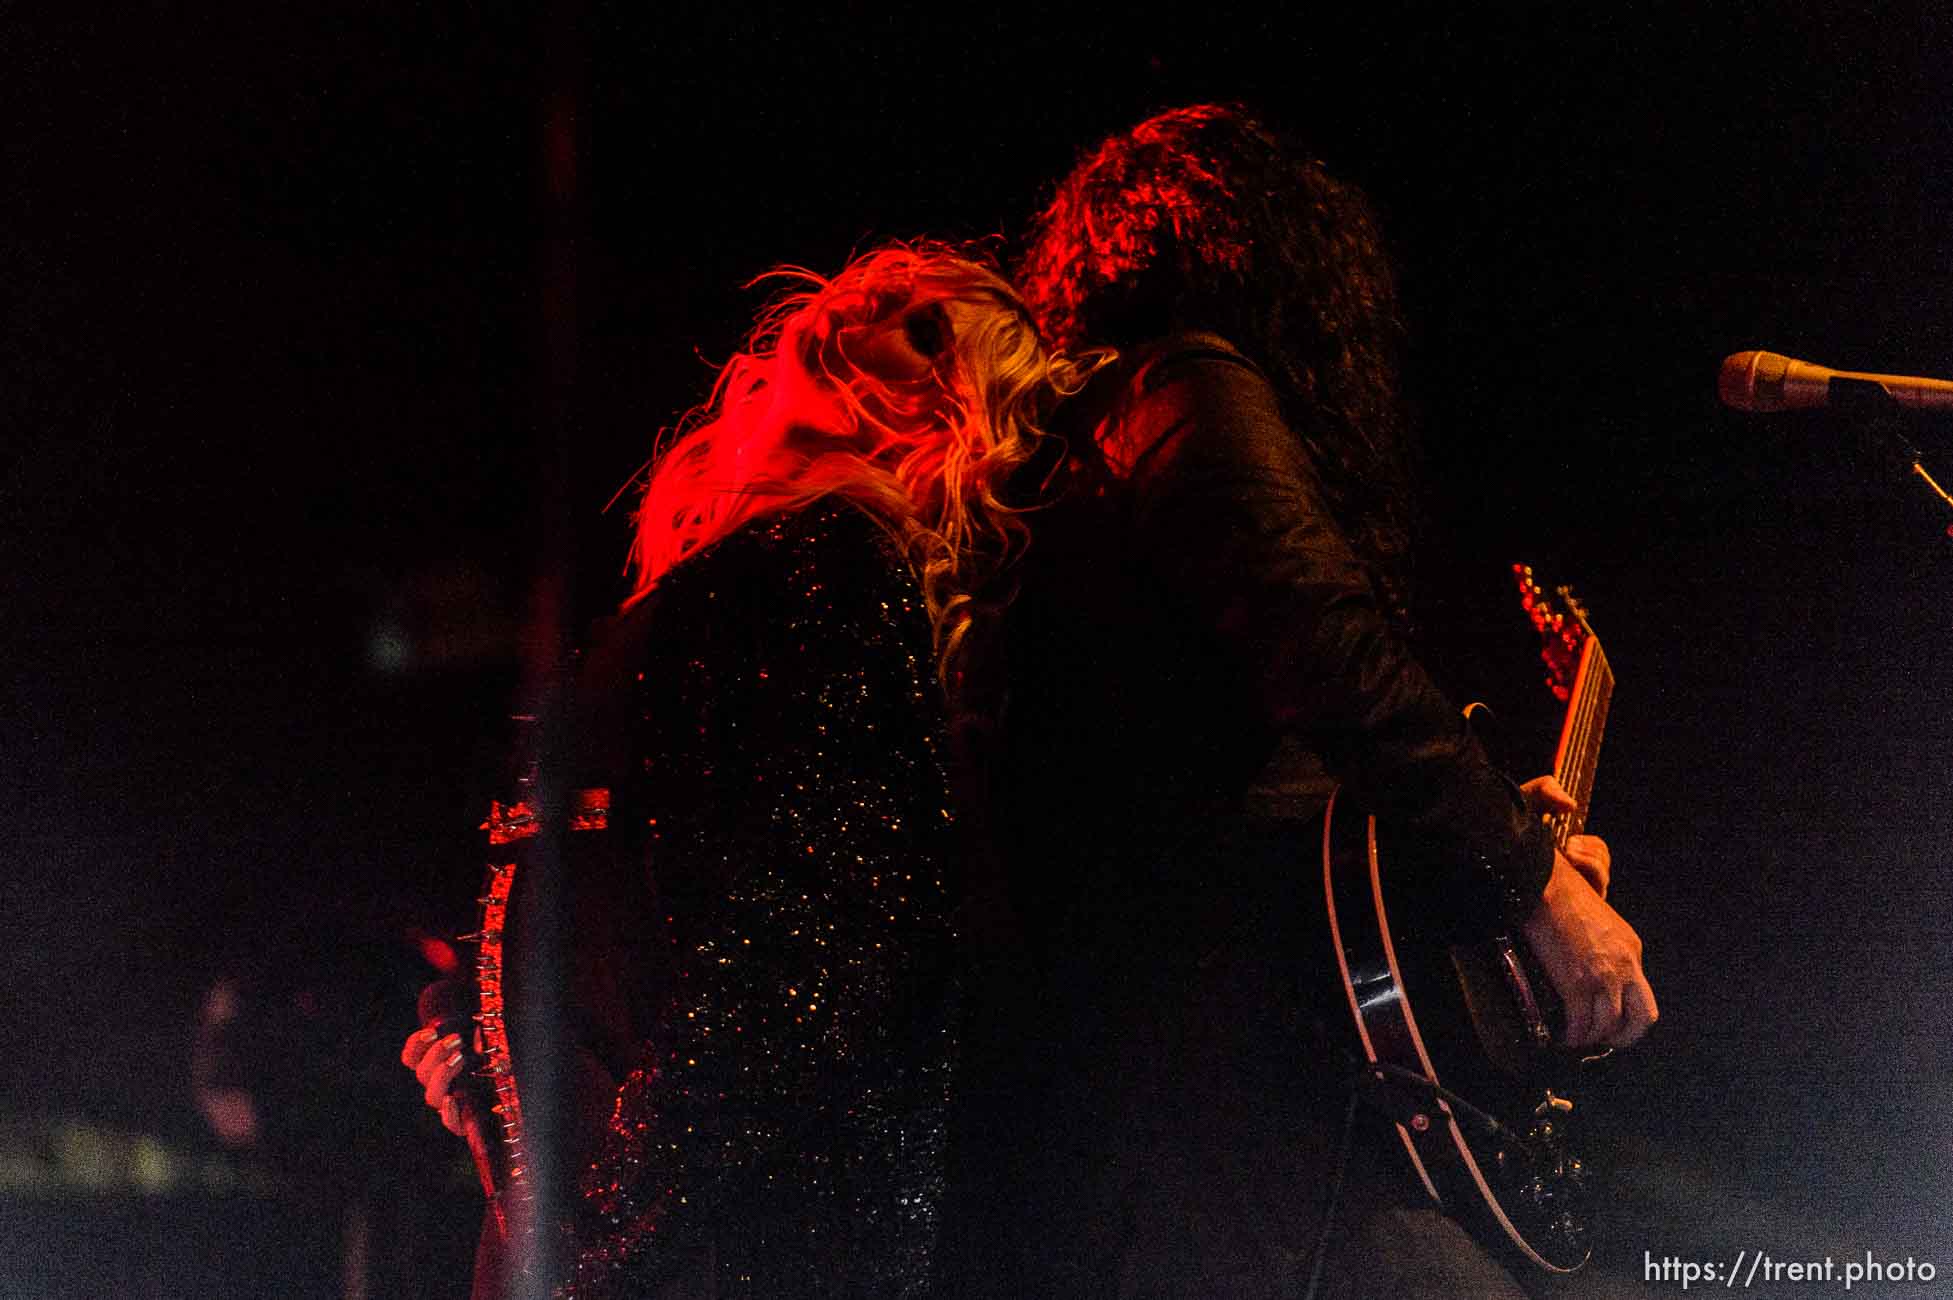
(1198, 654)
(1193, 660)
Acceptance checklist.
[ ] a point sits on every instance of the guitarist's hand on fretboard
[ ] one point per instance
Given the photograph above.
(1587, 853)
(1593, 958)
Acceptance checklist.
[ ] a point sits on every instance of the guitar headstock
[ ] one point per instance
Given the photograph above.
(1562, 626)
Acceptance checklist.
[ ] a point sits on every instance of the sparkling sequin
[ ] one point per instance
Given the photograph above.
(788, 1113)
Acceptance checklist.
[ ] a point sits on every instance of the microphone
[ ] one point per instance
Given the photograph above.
(1767, 381)
(446, 1001)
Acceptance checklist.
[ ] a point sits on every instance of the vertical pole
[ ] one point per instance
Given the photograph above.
(538, 1029)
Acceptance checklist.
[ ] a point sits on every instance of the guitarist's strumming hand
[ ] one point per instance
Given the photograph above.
(1592, 956)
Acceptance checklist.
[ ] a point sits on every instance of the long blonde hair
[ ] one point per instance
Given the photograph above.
(911, 385)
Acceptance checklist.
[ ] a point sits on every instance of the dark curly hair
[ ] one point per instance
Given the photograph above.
(1202, 218)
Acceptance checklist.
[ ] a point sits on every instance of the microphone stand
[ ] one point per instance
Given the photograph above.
(1882, 414)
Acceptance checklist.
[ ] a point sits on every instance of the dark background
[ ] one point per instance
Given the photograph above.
(294, 333)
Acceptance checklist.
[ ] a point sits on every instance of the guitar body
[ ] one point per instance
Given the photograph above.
(1459, 1038)
(1469, 1018)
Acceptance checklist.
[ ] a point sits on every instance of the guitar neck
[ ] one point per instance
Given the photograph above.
(1580, 736)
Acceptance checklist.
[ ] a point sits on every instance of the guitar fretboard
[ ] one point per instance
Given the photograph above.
(1579, 751)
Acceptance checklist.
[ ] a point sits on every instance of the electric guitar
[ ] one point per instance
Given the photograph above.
(1459, 1039)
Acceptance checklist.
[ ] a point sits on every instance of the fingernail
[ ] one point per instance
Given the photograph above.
(453, 1060)
(453, 1042)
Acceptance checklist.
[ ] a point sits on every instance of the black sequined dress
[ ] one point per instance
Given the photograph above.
(779, 1130)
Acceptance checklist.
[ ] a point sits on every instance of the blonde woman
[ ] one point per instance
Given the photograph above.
(764, 1048)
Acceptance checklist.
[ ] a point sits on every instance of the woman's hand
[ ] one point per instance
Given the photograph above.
(437, 1061)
